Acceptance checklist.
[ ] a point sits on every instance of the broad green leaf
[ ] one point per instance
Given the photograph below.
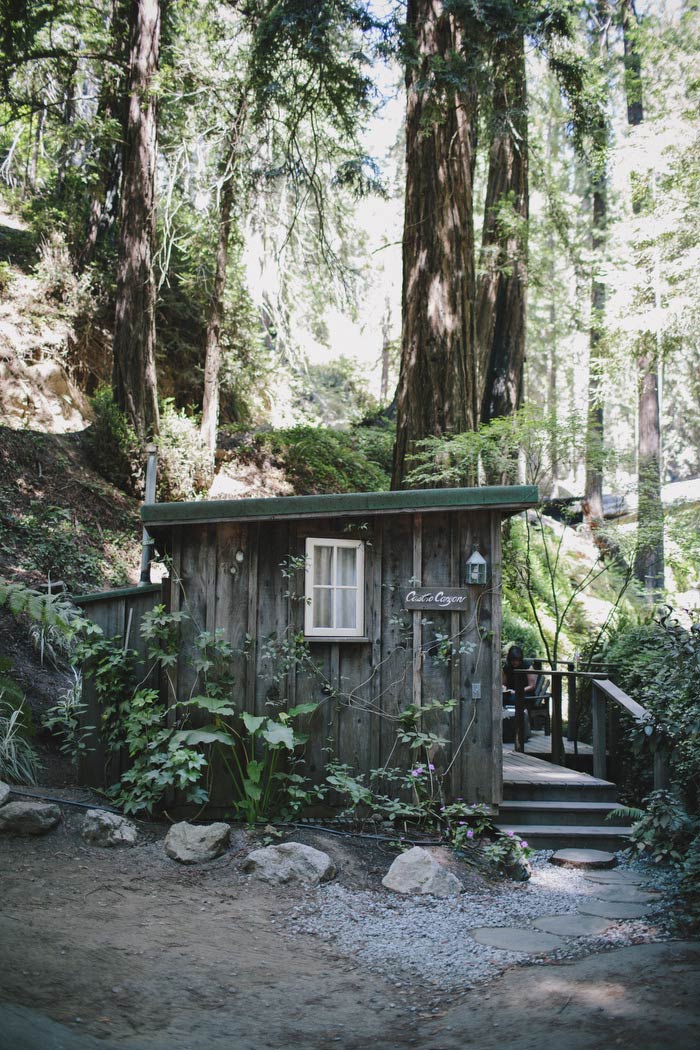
(254, 770)
(302, 709)
(207, 735)
(276, 734)
(252, 722)
(252, 790)
(211, 704)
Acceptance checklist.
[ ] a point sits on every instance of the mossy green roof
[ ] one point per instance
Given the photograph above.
(506, 498)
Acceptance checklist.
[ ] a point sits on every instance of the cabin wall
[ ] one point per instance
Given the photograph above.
(229, 576)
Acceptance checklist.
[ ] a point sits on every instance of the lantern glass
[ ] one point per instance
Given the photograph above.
(476, 569)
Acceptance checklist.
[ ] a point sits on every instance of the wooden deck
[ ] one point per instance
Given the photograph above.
(528, 769)
(539, 744)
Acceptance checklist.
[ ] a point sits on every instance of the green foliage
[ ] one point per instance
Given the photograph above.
(66, 719)
(496, 447)
(658, 664)
(19, 763)
(260, 753)
(517, 629)
(319, 459)
(183, 459)
(112, 443)
(664, 831)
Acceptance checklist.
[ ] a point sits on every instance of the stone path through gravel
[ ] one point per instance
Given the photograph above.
(561, 913)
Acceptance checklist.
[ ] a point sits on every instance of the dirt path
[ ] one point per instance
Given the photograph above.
(129, 950)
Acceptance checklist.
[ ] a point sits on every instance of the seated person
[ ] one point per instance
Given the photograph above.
(514, 660)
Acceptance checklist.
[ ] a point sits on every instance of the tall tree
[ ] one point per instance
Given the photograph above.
(649, 562)
(437, 379)
(134, 374)
(502, 286)
(595, 423)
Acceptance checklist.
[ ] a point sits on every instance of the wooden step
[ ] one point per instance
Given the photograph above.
(566, 836)
(529, 778)
(527, 811)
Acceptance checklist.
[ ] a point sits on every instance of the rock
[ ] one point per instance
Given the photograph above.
(290, 862)
(5, 792)
(195, 843)
(519, 870)
(108, 829)
(583, 858)
(418, 872)
(28, 818)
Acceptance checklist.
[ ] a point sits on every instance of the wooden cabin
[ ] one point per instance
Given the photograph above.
(377, 585)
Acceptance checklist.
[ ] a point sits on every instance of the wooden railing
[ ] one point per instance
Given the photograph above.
(606, 699)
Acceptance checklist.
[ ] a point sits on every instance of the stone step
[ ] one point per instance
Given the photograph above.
(527, 811)
(587, 789)
(566, 836)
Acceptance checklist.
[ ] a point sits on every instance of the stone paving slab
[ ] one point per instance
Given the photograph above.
(583, 858)
(517, 939)
(572, 924)
(618, 876)
(613, 910)
(622, 893)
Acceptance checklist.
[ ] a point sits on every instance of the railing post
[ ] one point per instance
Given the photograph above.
(572, 722)
(557, 740)
(520, 683)
(598, 719)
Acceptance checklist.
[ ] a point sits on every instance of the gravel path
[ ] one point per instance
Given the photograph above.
(429, 939)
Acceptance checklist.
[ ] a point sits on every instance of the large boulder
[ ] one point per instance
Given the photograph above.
(197, 843)
(5, 792)
(290, 862)
(101, 828)
(417, 871)
(28, 818)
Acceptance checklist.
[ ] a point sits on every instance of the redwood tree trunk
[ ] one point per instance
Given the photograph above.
(436, 392)
(134, 376)
(649, 562)
(502, 287)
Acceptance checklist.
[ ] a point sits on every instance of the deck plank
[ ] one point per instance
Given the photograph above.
(527, 769)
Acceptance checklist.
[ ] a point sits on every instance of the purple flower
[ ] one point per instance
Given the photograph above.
(510, 833)
(461, 822)
(417, 771)
(523, 843)
(431, 767)
(470, 833)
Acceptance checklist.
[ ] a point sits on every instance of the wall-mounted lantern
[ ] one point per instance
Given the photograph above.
(477, 569)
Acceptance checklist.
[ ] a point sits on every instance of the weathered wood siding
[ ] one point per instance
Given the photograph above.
(119, 614)
(228, 576)
(361, 685)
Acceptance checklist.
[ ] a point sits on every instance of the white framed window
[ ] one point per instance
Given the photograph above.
(335, 588)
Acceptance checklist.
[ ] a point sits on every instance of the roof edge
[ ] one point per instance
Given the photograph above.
(510, 498)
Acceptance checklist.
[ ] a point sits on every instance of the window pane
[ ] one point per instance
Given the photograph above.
(322, 607)
(346, 607)
(347, 567)
(323, 564)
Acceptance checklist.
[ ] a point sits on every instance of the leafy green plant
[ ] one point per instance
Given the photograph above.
(19, 763)
(663, 830)
(112, 443)
(183, 458)
(66, 719)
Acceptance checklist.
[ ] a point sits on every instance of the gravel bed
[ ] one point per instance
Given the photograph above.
(428, 939)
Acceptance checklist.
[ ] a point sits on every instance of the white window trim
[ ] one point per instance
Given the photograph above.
(335, 632)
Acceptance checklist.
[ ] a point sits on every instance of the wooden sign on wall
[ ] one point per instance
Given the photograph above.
(447, 599)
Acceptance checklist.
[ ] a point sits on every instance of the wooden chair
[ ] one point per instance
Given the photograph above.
(540, 714)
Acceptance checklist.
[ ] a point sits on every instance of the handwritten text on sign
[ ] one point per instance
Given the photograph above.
(449, 599)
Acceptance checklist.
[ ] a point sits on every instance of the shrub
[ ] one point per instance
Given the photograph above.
(183, 458)
(113, 445)
(320, 459)
(18, 760)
